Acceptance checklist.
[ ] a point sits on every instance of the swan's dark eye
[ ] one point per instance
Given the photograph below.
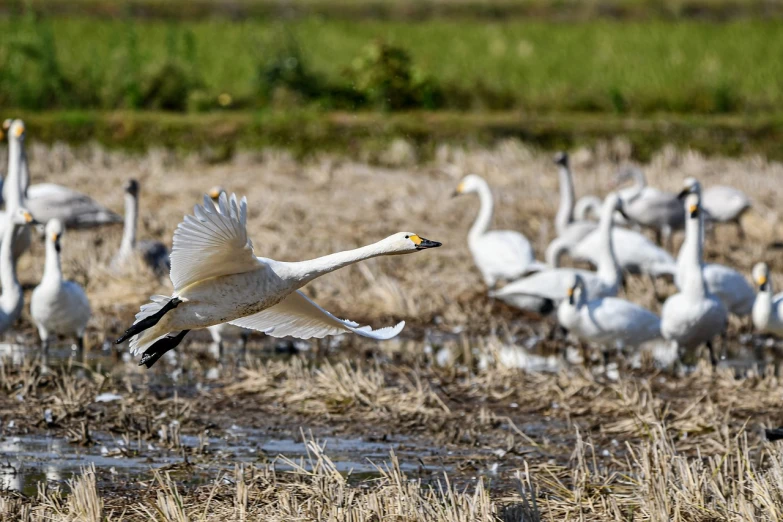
(407, 237)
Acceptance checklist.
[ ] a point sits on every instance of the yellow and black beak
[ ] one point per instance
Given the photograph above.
(19, 131)
(693, 210)
(214, 194)
(423, 244)
(458, 191)
(570, 293)
(762, 282)
(29, 219)
(56, 241)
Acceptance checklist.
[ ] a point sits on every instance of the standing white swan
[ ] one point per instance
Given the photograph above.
(540, 292)
(153, 254)
(13, 184)
(498, 254)
(217, 279)
(610, 322)
(768, 308)
(12, 298)
(694, 316)
(569, 231)
(58, 307)
(727, 284)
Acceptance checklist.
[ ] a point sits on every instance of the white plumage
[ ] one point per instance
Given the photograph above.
(218, 279)
(498, 254)
(539, 292)
(607, 321)
(727, 284)
(726, 205)
(14, 199)
(58, 307)
(12, 298)
(768, 308)
(693, 316)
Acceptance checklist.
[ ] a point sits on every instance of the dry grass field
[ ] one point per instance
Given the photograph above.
(482, 441)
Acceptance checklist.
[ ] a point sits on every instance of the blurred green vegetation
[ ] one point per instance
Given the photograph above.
(535, 66)
(412, 10)
(216, 135)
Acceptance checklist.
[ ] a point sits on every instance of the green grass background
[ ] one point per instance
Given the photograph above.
(638, 67)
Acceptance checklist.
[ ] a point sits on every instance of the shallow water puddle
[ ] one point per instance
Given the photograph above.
(25, 461)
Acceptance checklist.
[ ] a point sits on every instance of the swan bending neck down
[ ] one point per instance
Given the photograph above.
(217, 279)
(12, 299)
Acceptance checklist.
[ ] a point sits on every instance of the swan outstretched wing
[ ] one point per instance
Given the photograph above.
(298, 316)
(213, 242)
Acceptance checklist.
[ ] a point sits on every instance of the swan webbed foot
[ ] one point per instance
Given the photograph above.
(156, 351)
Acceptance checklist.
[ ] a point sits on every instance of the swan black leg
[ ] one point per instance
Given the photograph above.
(156, 351)
(149, 322)
(713, 357)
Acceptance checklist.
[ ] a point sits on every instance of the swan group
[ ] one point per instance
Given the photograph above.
(221, 285)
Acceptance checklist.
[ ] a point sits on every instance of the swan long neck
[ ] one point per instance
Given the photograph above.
(11, 298)
(15, 160)
(565, 213)
(692, 258)
(486, 209)
(302, 272)
(131, 221)
(52, 268)
(607, 261)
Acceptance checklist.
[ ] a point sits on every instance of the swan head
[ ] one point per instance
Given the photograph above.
(15, 129)
(22, 216)
(561, 159)
(215, 192)
(761, 276)
(132, 187)
(54, 232)
(406, 243)
(692, 207)
(690, 186)
(470, 183)
(575, 285)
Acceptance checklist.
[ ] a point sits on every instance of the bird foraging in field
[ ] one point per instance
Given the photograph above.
(768, 308)
(217, 278)
(58, 307)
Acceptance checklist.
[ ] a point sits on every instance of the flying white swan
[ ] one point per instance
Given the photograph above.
(498, 254)
(694, 316)
(48, 201)
(768, 309)
(58, 307)
(15, 195)
(154, 254)
(726, 283)
(540, 292)
(650, 207)
(726, 205)
(12, 298)
(219, 331)
(217, 279)
(610, 322)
